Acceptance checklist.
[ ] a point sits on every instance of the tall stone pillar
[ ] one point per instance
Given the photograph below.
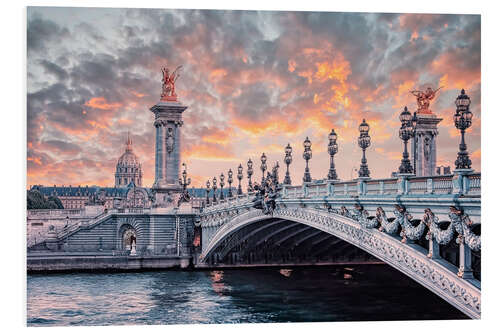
(424, 151)
(168, 123)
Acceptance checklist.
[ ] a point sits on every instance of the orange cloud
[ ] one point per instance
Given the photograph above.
(102, 104)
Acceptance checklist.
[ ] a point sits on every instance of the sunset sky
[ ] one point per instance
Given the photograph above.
(252, 81)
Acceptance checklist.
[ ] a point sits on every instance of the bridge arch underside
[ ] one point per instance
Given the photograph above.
(290, 236)
(282, 241)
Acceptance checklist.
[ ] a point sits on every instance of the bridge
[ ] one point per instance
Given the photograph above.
(424, 225)
(410, 223)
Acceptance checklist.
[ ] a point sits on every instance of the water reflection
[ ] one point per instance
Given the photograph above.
(232, 296)
(286, 272)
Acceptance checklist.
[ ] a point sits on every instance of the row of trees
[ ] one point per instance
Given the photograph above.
(37, 200)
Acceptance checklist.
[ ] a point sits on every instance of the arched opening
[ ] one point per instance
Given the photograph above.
(128, 237)
(283, 242)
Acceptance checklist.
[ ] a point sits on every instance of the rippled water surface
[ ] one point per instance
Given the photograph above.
(370, 292)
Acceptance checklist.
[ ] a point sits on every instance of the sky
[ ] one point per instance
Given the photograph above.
(253, 81)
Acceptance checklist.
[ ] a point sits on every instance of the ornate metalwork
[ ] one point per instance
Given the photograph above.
(184, 182)
(230, 181)
(430, 273)
(463, 226)
(265, 199)
(364, 142)
(332, 150)
(214, 187)
(390, 227)
(288, 160)
(406, 132)
(408, 231)
(249, 174)
(463, 120)
(221, 183)
(263, 167)
(441, 236)
(307, 156)
(240, 177)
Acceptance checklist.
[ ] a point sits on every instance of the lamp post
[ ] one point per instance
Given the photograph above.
(230, 181)
(288, 160)
(463, 120)
(333, 148)
(214, 187)
(406, 132)
(364, 142)
(240, 177)
(221, 186)
(307, 156)
(263, 167)
(249, 174)
(208, 191)
(183, 181)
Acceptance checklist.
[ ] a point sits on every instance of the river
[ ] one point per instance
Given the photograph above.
(334, 293)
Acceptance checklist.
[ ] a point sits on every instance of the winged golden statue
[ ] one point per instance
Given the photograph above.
(168, 86)
(424, 98)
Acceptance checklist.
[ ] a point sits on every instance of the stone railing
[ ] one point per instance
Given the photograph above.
(48, 213)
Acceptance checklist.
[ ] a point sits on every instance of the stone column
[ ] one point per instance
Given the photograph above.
(423, 147)
(168, 120)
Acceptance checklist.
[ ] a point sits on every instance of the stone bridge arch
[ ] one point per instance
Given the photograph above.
(410, 259)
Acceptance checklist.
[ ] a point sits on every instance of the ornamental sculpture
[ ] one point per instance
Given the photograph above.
(266, 196)
(424, 98)
(168, 87)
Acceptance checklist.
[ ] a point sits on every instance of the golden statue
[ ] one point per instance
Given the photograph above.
(168, 87)
(424, 98)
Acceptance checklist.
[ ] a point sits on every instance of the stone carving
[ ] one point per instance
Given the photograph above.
(386, 225)
(463, 226)
(170, 140)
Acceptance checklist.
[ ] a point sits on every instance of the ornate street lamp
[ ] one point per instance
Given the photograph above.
(208, 191)
(263, 167)
(240, 177)
(249, 174)
(364, 142)
(307, 156)
(288, 160)
(406, 132)
(230, 181)
(333, 148)
(463, 120)
(214, 187)
(184, 182)
(221, 186)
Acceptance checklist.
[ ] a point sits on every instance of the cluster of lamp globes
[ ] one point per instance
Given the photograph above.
(409, 122)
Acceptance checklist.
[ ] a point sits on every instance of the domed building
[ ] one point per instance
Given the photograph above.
(128, 168)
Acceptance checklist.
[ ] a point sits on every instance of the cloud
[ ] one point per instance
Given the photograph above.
(253, 81)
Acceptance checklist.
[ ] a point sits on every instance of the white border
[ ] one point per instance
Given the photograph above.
(13, 20)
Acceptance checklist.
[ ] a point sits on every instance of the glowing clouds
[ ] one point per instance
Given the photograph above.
(102, 104)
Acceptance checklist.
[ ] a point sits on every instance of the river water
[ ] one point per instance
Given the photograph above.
(335, 293)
